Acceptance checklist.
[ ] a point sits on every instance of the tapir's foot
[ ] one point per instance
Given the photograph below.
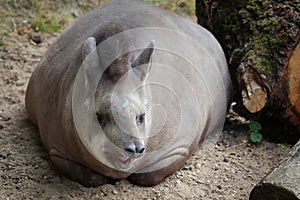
(77, 171)
(155, 177)
(146, 179)
(151, 178)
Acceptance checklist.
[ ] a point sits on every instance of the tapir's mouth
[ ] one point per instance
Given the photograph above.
(124, 162)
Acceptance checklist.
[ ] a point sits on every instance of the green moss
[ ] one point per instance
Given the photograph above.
(263, 50)
(231, 25)
(266, 40)
(253, 31)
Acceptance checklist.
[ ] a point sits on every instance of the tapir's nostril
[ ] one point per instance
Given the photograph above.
(140, 149)
(135, 150)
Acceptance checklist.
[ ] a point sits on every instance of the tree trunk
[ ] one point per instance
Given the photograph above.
(261, 40)
(284, 182)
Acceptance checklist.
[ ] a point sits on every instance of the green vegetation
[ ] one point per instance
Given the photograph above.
(255, 127)
(50, 23)
(186, 7)
(54, 16)
(282, 146)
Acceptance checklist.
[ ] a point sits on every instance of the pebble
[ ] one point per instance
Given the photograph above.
(215, 167)
(35, 37)
(115, 192)
(75, 13)
(225, 179)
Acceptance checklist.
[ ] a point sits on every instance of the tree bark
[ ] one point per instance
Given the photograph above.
(261, 40)
(283, 183)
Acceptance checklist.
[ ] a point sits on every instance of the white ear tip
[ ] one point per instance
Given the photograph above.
(88, 46)
(91, 40)
(151, 45)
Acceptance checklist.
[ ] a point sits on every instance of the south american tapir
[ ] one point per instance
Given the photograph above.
(128, 91)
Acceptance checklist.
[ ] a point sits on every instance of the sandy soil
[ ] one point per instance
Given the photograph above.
(228, 172)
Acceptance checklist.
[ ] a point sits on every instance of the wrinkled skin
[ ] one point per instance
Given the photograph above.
(124, 151)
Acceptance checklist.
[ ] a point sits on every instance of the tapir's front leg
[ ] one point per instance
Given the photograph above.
(77, 171)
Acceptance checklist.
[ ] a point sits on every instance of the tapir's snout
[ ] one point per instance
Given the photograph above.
(135, 149)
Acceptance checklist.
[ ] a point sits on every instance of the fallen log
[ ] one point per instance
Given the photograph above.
(261, 40)
(283, 183)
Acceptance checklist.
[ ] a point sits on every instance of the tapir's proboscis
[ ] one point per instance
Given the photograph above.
(128, 91)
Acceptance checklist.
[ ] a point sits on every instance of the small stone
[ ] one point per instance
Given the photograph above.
(115, 192)
(75, 13)
(225, 179)
(35, 37)
(215, 167)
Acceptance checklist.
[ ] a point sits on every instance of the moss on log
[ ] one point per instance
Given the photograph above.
(261, 40)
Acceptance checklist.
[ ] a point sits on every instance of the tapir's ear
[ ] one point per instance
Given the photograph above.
(90, 61)
(88, 46)
(144, 59)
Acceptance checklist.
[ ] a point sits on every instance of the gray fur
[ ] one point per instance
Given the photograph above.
(49, 94)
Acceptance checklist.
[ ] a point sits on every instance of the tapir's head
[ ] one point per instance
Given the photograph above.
(122, 105)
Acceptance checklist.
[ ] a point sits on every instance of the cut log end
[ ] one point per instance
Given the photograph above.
(293, 68)
(255, 97)
(253, 90)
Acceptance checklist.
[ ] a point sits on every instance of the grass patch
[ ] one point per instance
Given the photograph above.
(181, 7)
(49, 16)
(51, 23)
(48, 23)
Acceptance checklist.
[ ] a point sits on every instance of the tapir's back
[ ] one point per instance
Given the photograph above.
(189, 77)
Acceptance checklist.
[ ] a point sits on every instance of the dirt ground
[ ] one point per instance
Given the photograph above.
(228, 172)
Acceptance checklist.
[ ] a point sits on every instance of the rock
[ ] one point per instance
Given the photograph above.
(35, 37)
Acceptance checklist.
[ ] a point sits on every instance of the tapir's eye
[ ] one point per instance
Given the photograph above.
(140, 119)
(100, 120)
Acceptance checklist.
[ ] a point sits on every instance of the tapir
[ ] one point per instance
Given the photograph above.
(128, 91)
